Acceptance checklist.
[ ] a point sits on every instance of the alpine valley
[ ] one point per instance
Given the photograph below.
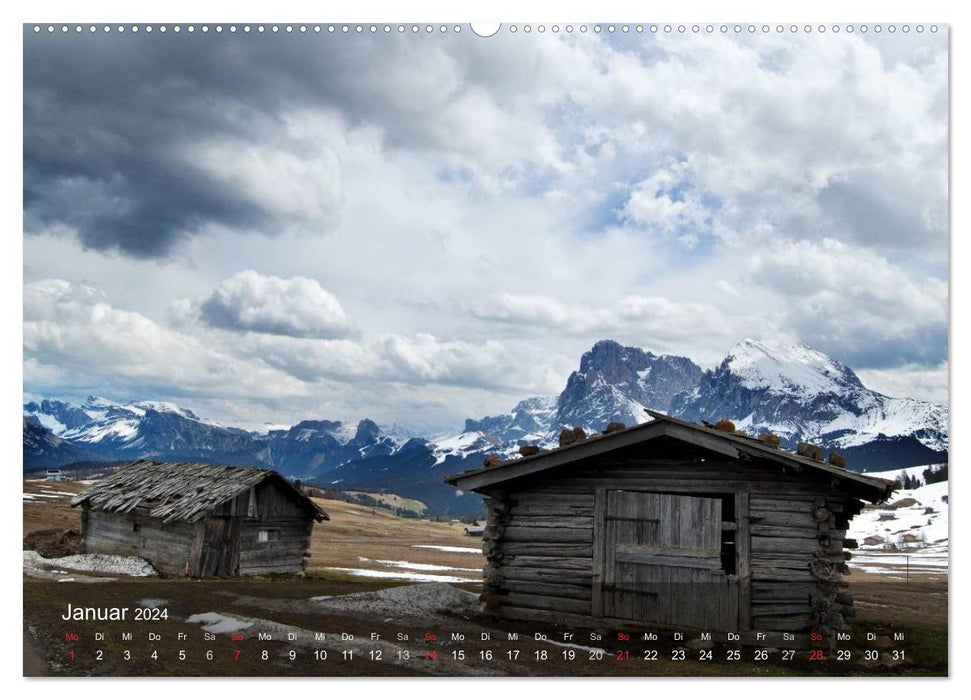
(791, 390)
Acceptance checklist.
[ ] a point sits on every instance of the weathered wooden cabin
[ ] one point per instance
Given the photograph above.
(670, 524)
(191, 519)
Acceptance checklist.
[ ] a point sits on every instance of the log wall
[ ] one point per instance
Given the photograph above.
(168, 547)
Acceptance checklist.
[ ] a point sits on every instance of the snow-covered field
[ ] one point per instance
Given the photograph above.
(908, 533)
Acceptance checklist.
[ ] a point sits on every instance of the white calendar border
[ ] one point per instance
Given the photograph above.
(926, 11)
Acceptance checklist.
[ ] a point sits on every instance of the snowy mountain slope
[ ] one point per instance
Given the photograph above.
(527, 423)
(801, 394)
(43, 448)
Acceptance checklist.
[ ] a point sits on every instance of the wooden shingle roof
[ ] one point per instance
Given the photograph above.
(181, 491)
(870, 488)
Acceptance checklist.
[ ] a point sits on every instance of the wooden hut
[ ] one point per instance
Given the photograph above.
(193, 519)
(670, 524)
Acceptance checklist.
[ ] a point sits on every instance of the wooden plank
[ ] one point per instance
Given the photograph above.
(660, 556)
(516, 533)
(544, 602)
(533, 574)
(792, 532)
(799, 502)
(784, 545)
(769, 573)
(599, 536)
(743, 560)
(549, 563)
(562, 590)
(555, 521)
(545, 549)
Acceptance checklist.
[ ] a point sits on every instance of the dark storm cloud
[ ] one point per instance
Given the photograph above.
(108, 121)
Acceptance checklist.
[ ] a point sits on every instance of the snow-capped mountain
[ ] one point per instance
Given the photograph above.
(801, 394)
(57, 432)
(145, 428)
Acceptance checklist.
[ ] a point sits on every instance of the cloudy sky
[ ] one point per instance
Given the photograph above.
(423, 228)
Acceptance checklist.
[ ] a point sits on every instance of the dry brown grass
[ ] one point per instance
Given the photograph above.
(357, 531)
(51, 513)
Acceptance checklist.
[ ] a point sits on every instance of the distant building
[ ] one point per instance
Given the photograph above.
(871, 540)
(191, 519)
(55, 475)
(910, 538)
(477, 529)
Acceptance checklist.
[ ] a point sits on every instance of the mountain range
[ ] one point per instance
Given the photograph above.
(796, 392)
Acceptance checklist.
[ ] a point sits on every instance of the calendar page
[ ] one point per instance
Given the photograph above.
(600, 349)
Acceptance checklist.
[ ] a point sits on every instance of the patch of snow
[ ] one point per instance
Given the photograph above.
(568, 645)
(413, 566)
(51, 423)
(403, 575)
(459, 446)
(447, 548)
(100, 563)
(218, 623)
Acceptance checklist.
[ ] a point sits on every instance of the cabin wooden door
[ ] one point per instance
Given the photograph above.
(220, 547)
(660, 559)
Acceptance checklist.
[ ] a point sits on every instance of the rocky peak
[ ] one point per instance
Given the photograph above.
(367, 431)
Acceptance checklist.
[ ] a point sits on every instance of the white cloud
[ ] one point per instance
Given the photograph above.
(911, 381)
(667, 202)
(301, 181)
(298, 306)
(657, 322)
(854, 303)
(486, 205)
(74, 338)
